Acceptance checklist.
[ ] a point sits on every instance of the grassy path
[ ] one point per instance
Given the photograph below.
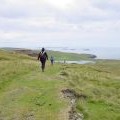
(29, 94)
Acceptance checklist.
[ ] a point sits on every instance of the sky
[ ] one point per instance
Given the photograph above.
(59, 23)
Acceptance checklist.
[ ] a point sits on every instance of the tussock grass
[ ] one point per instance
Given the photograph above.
(101, 84)
(26, 92)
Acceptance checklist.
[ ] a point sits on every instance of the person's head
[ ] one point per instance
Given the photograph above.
(43, 49)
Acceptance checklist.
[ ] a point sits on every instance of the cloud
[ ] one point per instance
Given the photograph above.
(109, 5)
(48, 20)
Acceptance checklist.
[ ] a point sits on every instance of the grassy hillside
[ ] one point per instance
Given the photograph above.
(100, 86)
(26, 93)
(70, 56)
(57, 55)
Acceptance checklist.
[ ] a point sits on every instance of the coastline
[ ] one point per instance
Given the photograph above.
(94, 52)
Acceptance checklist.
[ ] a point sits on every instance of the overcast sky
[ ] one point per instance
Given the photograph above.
(56, 23)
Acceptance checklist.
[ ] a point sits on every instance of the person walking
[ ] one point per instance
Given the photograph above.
(43, 57)
(52, 60)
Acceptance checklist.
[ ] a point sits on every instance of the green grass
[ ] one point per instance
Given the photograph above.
(69, 56)
(26, 93)
(100, 83)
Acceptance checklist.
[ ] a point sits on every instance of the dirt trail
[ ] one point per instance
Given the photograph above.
(72, 96)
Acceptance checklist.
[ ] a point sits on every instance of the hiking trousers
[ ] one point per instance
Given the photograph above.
(43, 64)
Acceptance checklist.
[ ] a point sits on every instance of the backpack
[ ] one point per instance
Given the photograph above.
(42, 55)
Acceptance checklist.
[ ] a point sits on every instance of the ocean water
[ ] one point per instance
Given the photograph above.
(77, 62)
(100, 52)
